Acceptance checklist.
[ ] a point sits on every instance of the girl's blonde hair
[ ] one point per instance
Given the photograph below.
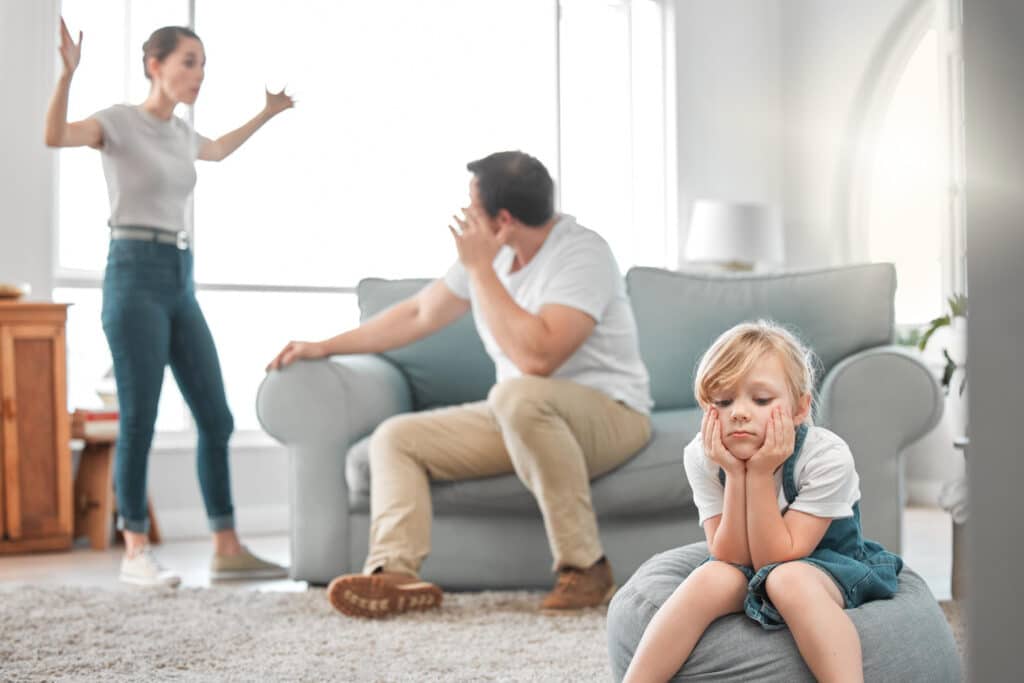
(734, 353)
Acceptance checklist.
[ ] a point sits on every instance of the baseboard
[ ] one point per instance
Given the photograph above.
(924, 493)
(190, 523)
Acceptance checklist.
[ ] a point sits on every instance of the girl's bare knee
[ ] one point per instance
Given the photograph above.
(719, 579)
(796, 582)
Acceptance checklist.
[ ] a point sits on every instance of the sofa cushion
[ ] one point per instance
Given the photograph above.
(446, 368)
(651, 482)
(837, 312)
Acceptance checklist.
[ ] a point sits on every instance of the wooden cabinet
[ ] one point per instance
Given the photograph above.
(35, 461)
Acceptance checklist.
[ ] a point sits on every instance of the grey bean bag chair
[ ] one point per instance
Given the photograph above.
(903, 639)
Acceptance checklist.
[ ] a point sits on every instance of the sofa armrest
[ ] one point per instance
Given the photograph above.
(336, 399)
(880, 401)
(318, 409)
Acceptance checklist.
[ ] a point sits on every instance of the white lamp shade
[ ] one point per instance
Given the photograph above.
(734, 233)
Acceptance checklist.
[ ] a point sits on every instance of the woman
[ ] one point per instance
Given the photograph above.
(150, 313)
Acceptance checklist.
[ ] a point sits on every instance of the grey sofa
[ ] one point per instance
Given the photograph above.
(488, 533)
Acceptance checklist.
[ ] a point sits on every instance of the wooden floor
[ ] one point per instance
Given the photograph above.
(927, 549)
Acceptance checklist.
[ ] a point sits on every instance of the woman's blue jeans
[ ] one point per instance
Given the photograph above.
(151, 319)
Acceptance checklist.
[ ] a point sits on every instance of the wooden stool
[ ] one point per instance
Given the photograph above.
(94, 492)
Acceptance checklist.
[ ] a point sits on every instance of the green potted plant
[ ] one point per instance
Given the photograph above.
(957, 305)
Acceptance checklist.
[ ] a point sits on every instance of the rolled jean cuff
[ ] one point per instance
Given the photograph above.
(222, 522)
(138, 526)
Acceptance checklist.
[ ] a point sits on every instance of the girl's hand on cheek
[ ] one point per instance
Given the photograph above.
(714, 448)
(779, 442)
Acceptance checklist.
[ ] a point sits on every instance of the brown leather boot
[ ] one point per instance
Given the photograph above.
(382, 594)
(579, 588)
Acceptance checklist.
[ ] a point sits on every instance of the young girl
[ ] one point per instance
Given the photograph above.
(778, 500)
(150, 314)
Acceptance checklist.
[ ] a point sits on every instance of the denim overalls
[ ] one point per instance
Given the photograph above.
(862, 569)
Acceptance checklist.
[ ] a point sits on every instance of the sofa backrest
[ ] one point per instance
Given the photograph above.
(836, 311)
(447, 368)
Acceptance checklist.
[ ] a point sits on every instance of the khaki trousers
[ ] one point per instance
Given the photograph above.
(556, 435)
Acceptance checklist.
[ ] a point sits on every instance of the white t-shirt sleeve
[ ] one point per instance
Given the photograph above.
(828, 485)
(457, 280)
(708, 491)
(585, 280)
(108, 120)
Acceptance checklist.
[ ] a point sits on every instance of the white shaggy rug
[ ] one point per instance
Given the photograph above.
(57, 634)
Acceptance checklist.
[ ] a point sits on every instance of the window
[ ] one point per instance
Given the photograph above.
(910, 210)
(362, 177)
(905, 211)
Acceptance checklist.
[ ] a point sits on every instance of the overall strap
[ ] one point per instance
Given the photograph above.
(789, 467)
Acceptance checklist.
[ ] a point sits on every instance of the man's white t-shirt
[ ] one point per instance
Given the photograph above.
(149, 164)
(574, 267)
(826, 481)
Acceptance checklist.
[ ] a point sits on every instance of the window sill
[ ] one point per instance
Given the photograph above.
(243, 440)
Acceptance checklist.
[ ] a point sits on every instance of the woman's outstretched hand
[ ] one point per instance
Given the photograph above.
(70, 52)
(277, 102)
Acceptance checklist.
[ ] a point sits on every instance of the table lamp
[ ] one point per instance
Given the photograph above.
(733, 235)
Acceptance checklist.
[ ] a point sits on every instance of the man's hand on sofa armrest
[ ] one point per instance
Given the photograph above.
(338, 399)
(297, 350)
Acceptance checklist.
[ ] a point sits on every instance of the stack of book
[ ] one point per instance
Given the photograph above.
(87, 423)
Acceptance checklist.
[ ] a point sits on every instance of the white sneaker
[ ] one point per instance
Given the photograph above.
(145, 570)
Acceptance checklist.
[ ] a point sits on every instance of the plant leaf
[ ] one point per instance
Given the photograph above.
(935, 324)
(958, 306)
(947, 372)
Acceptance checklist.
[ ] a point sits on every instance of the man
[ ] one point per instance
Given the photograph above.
(571, 401)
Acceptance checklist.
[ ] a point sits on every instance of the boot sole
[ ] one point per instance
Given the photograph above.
(369, 597)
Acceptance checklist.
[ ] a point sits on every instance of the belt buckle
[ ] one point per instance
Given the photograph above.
(182, 240)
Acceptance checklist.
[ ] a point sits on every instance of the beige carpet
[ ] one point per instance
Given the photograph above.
(957, 618)
(51, 633)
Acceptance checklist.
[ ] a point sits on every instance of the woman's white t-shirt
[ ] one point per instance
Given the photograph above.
(826, 480)
(149, 164)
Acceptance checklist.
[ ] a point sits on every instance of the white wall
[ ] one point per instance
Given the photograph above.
(28, 39)
(728, 104)
(259, 487)
(827, 48)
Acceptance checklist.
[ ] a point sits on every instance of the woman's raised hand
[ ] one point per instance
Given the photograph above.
(277, 102)
(70, 52)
